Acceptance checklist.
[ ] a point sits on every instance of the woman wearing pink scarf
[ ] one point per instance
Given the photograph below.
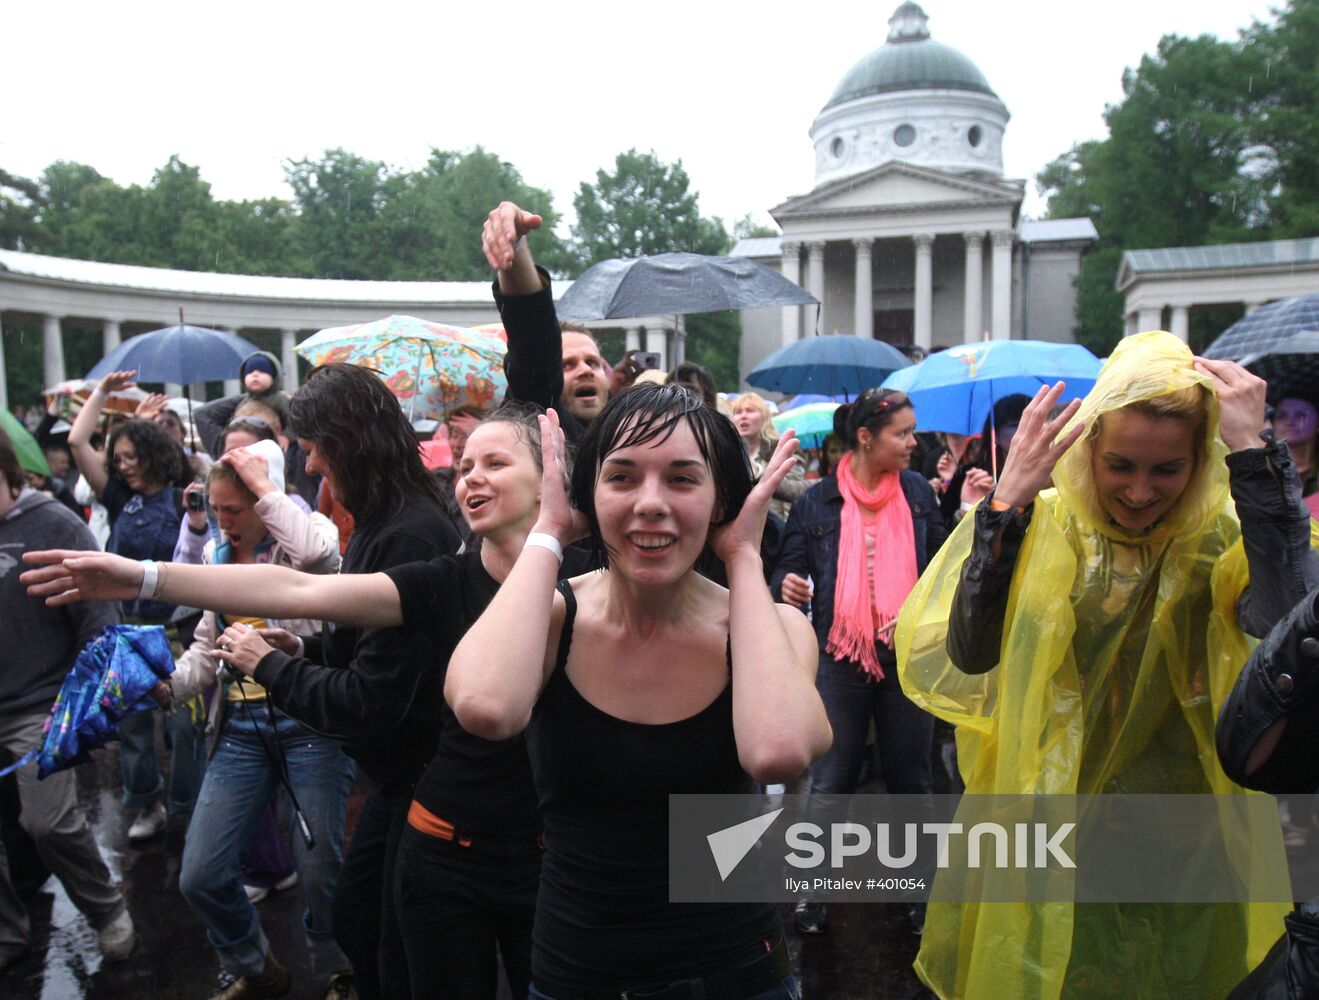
(862, 535)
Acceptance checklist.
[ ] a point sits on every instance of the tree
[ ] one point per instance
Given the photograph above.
(19, 206)
(340, 199)
(1213, 142)
(432, 217)
(644, 207)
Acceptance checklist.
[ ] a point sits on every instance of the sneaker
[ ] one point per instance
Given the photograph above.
(256, 893)
(810, 917)
(150, 821)
(274, 981)
(340, 987)
(117, 938)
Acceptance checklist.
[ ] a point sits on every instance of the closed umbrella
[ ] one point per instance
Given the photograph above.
(123, 670)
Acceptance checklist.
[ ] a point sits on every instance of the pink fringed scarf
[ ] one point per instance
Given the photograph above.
(858, 614)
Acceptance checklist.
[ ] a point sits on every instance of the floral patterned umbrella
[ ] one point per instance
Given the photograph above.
(432, 368)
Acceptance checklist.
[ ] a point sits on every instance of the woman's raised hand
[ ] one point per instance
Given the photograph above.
(252, 469)
(1241, 398)
(557, 516)
(744, 531)
(65, 576)
(117, 381)
(1037, 447)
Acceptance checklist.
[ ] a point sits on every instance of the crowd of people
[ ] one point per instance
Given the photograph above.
(617, 593)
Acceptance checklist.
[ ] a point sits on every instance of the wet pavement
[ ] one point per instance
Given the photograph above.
(865, 953)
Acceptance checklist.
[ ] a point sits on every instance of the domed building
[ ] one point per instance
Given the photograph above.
(911, 233)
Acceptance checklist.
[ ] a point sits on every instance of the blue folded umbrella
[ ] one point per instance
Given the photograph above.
(114, 676)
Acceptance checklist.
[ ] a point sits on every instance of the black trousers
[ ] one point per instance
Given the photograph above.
(457, 904)
(365, 924)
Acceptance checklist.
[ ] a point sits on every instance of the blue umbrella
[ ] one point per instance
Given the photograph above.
(835, 365)
(117, 674)
(182, 354)
(955, 390)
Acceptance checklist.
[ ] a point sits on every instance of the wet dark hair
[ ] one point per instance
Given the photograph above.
(872, 410)
(647, 414)
(10, 467)
(525, 418)
(159, 455)
(372, 450)
(690, 371)
(253, 425)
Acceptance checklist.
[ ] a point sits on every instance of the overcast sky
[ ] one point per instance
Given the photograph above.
(557, 89)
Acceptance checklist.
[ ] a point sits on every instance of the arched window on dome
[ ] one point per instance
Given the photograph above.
(975, 136)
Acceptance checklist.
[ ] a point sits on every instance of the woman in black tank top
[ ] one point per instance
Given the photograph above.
(641, 681)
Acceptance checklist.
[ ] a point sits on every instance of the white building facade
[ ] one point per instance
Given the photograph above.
(911, 233)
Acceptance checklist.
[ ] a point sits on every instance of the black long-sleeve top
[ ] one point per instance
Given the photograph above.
(376, 690)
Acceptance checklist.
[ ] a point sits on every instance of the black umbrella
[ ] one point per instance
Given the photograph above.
(674, 284)
(1278, 342)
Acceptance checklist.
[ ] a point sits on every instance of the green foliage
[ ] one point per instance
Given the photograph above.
(1213, 142)
(19, 228)
(645, 207)
(642, 208)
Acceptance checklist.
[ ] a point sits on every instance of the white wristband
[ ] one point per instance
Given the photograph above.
(99, 395)
(544, 540)
(150, 573)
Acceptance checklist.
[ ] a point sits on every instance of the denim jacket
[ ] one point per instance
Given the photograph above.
(810, 541)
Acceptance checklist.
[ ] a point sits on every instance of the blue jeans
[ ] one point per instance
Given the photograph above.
(240, 780)
(785, 990)
(185, 738)
(905, 733)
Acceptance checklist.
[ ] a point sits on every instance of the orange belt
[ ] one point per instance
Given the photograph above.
(422, 819)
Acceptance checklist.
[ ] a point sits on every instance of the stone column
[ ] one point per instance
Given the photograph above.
(1001, 276)
(52, 351)
(110, 336)
(632, 338)
(289, 359)
(1150, 319)
(923, 296)
(864, 319)
(791, 268)
(815, 281)
(973, 322)
(1181, 323)
(657, 342)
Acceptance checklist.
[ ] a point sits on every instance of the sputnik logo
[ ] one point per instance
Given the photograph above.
(731, 844)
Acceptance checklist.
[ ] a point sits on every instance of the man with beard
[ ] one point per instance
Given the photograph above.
(549, 363)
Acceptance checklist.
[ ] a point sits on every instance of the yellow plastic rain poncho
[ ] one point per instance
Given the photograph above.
(1117, 653)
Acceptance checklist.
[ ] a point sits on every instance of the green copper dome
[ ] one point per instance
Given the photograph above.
(910, 60)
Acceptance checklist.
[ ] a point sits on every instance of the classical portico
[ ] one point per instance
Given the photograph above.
(1161, 287)
(911, 233)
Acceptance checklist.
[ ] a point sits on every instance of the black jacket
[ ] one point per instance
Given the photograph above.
(810, 542)
(1280, 681)
(1275, 530)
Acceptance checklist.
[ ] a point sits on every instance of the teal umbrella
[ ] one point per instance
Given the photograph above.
(812, 422)
(30, 456)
